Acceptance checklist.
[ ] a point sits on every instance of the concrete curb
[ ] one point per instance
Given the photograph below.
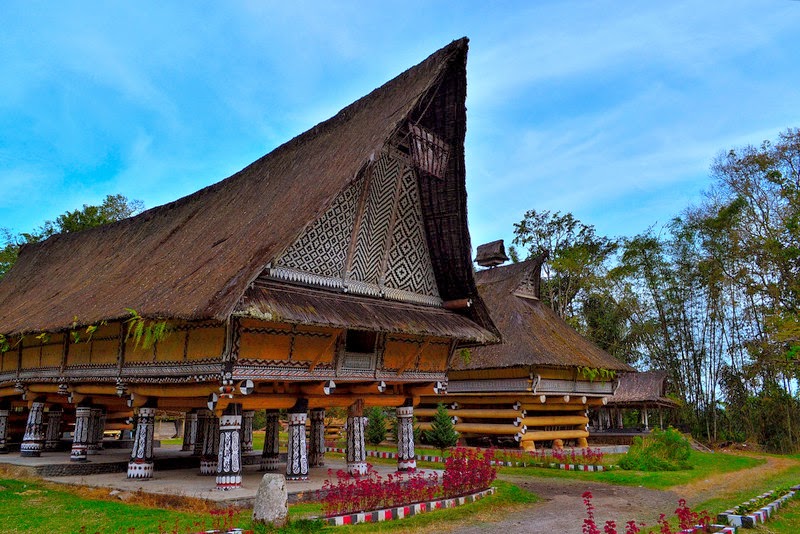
(401, 512)
(761, 515)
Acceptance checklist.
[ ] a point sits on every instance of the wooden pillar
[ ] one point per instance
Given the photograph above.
(80, 436)
(33, 441)
(247, 430)
(270, 456)
(141, 462)
(316, 456)
(208, 460)
(4, 412)
(201, 429)
(189, 431)
(229, 459)
(297, 455)
(645, 419)
(406, 456)
(356, 447)
(53, 434)
(660, 418)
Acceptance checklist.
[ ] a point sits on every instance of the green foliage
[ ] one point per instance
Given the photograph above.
(593, 373)
(113, 208)
(466, 355)
(662, 450)
(442, 435)
(144, 331)
(375, 431)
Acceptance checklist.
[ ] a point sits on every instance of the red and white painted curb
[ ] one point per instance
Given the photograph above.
(401, 512)
(761, 515)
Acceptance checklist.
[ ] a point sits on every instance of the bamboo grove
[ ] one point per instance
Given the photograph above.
(712, 297)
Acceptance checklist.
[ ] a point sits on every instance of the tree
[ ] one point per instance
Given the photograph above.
(577, 257)
(113, 208)
(442, 435)
(375, 432)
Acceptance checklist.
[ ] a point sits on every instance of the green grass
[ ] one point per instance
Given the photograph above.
(703, 465)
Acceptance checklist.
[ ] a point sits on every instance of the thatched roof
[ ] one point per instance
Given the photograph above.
(195, 258)
(647, 387)
(532, 333)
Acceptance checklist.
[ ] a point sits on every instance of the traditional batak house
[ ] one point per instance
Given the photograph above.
(334, 271)
(539, 383)
(645, 393)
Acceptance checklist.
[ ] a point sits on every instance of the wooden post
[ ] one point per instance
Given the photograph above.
(229, 459)
(33, 441)
(406, 456)
(80, 437)
(297, 455)
(356, 448)
(317, 451)
(247, 430)
(271, 452)
(141, 462)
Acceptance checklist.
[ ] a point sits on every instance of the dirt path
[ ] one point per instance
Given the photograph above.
(707, 488)
(561, 510)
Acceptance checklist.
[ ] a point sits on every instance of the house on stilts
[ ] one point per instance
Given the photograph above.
(538, 385)
(334, 271)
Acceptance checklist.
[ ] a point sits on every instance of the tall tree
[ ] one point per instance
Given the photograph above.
(113, 208)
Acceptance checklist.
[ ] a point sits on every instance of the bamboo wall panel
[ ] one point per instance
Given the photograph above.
(398, 352)
(317, 348)
(257, 346)
(205, 343)
(434, 357)
(170, 349)
(105, 350)
(51, 353)
(136, 352)
(79, 353)
(9, 361)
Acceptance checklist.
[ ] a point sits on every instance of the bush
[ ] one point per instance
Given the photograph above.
(468, 471)
(663, 450)
(375, 432)
(442, 435)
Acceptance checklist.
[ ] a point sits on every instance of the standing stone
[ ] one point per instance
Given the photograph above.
(3, 430)
(208, 461)
(33, 441)
(406, 456)
(316, 457)
(356, 447)
(271, 453)
(229, 459)
(52, 438)
(80, 436)
(271, 506)
(297, 455)
(141, 463)
(189, 431)
(247, 430)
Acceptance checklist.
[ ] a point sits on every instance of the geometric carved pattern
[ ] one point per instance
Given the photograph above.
(322, 250)
(374, 231)
(409, 267)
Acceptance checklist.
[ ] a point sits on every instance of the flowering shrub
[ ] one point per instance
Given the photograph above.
(584, 456)
(467, 471)
(687, 519)
(372, 492)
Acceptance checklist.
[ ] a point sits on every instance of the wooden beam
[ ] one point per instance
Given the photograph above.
(475, 413)
(555, 420)
(547, 435)
(482, 428)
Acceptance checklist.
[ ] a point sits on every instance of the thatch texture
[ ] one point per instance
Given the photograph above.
(648, 387)
(194, 258)
(532, 333)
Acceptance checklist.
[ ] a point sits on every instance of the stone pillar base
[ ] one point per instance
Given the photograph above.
(30, 450)
(140, 470)
(406, 466)
(77, 454)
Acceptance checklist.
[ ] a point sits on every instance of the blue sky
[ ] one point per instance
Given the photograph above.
(612, 110)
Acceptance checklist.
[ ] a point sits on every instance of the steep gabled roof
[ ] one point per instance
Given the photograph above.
(532, 333)
(644, 387)
(195, 257)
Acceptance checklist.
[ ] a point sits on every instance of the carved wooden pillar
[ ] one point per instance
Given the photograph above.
(406, 456)
(33, 441)
(80, 436)
(356, 448)
(271, 454)
(53, 433)
(200, 433)
(247, 430)
(99, 429)
(4, 412)
(229, 460)
(189, 431)
(208, 461)
(141, 463)
(297, 455)
(316, 456)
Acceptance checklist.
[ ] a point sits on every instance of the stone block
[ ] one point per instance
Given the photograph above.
(271, 506)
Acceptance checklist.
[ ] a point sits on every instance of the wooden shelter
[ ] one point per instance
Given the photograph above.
(539, 383)
(644, 392)
(334, 271)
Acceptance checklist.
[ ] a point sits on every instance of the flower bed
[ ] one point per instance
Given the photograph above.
(756, 510)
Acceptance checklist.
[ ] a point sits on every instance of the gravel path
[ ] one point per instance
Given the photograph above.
(561, 509)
